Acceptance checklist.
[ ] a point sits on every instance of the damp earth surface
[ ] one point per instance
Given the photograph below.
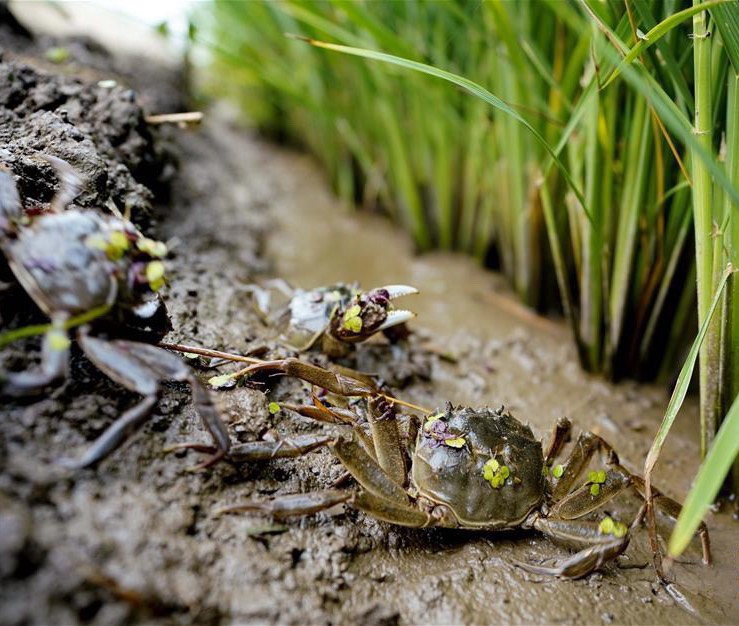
(136, 539)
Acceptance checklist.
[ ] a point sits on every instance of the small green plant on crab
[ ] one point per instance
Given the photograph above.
(596, 479)
(435, 429)
(495, 473)
(608, 526)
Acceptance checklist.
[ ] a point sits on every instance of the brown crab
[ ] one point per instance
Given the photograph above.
(95, 271)
(477, 469)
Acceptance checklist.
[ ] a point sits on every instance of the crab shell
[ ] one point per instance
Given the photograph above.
(454, 477)
(57, 263)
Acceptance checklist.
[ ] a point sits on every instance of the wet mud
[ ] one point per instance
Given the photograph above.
(136, 540)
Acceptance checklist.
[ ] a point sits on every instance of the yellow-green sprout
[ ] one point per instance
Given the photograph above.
(608, 526)
(620, 530)
(57, 340)
(558, 470)
(455, 442)
(495, 473)
(352, 321)
(594, 489)
(151, 247)
(117, 246)
(598, 477)
(273, 408)
(219, 382)
(155, 275)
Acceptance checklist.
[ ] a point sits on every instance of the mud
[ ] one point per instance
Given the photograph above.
(136, 540)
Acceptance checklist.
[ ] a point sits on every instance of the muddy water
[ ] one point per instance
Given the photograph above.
(505, 355)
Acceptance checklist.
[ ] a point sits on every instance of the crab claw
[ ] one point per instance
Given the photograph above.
(396, 317)
(398, 291)
(370, 312)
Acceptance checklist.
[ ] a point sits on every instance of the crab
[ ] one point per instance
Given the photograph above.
(476, 469)
(98, 273)
(338, 316)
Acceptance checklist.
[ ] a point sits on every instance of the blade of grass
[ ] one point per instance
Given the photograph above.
(726, 17)
(470, 86)
(707, 483)
(640, 80)
(656, 33)
(676, 401)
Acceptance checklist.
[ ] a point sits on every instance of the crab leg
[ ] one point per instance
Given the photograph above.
(54, 363)
(288, 506)
(386, 437)
(390, 510)
(582, 501)
(315, 375)
(587, 445)
(560, 435)
(383, 498)
(672, 509)
(366, 471)
(139, 367)
(586, 560)
(264, 450)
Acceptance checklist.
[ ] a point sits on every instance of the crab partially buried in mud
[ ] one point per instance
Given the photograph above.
(333, 317)
(95, 272)
(477, 469)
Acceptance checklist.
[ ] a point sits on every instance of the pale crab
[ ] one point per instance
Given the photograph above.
(98, 273)
(333, 317)
(477, 469)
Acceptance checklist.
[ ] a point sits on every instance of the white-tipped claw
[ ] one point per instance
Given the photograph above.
(398, 291)
(397, 317)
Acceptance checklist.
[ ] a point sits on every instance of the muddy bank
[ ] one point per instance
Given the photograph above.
(136, 540)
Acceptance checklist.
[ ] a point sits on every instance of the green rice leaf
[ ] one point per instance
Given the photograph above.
(683, 380)
(470, 86)
(708, 482)
(659, 31)
(726, 15)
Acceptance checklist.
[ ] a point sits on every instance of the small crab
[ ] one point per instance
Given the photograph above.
(477, 469)
(339, 315)
(98, 272)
